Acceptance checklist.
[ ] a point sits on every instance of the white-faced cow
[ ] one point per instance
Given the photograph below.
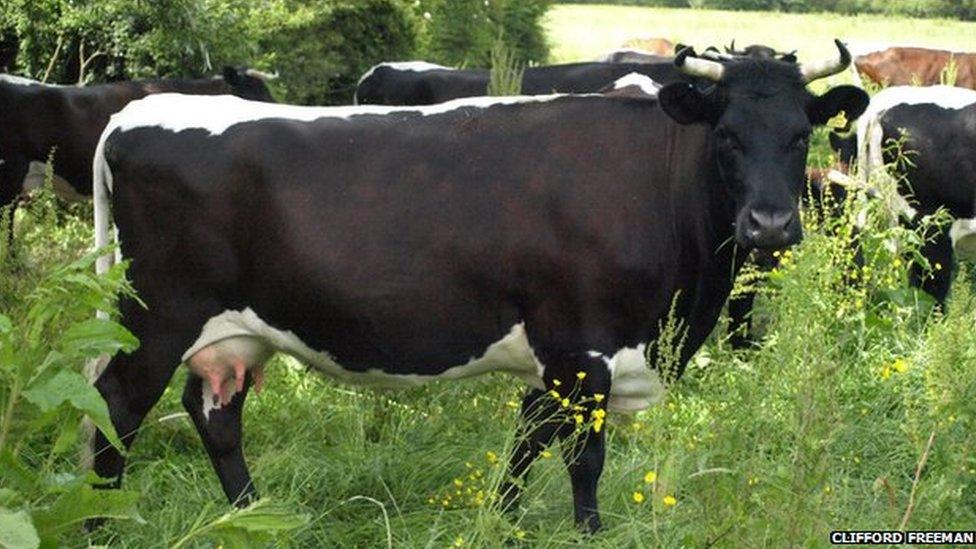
(37, 118)
(544, 236)
(420, 83)
(937, 126)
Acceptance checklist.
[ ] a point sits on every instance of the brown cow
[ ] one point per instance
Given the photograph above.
(657, 46)
(904, 66)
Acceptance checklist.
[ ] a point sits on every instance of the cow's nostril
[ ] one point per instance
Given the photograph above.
(774, 220)
(781, 220)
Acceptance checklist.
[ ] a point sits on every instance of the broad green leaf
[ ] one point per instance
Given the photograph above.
(96, 336)
(82, 503)
(8, 497)
(17, 531)
(71, 387)
(245, 527)
(15, 474)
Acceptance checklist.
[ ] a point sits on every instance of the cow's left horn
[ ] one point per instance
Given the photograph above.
(260, 75)
(815, 71)
(703, 68)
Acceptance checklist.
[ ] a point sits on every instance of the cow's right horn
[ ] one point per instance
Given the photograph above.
(694, 66)
(823, 69)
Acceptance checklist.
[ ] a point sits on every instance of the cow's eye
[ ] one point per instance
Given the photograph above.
(728, 139)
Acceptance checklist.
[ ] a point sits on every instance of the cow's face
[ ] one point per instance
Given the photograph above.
(248, 84)
(762, 115)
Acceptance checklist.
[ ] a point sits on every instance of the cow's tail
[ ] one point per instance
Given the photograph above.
(102, 193)
(104, 235)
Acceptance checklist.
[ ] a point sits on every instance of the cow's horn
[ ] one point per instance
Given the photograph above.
(260, 75)
(815, 71)
(703, 68)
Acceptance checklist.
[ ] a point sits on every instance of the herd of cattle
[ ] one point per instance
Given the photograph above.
(430, 232)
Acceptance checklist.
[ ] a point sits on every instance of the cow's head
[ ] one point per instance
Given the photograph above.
(761, 114)
(248, 83)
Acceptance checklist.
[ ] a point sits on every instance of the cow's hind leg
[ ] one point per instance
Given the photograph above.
(220, 429)
(132, 384)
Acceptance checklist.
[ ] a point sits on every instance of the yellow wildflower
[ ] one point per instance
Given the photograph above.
(555, 394)
(597, 425)
(492, 457)
(669, 501)
(519, 534)
(599, 413)
(578, 418)
(565, 403)
(638, 497)
(598, 397)
(938, 266)
(458, 482)
(458, 541)
(545, 454)
(581, 375)
(556, 382)
(650, 477)
(899, 365)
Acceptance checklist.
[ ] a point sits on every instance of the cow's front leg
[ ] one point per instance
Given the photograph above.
(938, 251)
(537, 429)
(217, 417)
(584, 438)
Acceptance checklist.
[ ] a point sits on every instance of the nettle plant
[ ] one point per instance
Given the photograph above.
(49, 332)
(45, 340)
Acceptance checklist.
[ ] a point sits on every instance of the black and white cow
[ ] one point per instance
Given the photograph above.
(633, 55)
(421, 83)
(938, 126)
(37, 118)
(544, 236)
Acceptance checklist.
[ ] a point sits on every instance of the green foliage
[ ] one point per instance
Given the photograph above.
(45, 338)
(463, 32)
(505, 77)
(321, 49)
(91, 41)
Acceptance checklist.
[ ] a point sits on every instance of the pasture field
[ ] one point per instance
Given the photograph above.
(582, 32)
(857, 412)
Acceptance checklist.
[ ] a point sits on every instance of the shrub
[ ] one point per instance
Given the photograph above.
(463, 32)
(321, 49)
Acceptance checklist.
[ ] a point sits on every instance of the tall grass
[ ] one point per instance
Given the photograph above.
(505, 75)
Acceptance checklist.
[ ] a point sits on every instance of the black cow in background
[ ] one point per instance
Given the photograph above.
(419, 83)
(938, 127)
(355, 240)
(37, 118)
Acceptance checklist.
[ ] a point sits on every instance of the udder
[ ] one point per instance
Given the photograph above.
(225, 364)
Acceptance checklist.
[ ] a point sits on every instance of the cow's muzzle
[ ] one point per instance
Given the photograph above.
(768, 229)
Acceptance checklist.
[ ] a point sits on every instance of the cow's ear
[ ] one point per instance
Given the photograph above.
(231, 76)
(847, 99)
(686, 105)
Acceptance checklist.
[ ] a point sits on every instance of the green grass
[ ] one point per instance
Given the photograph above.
(584, 32)
(820, 429)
